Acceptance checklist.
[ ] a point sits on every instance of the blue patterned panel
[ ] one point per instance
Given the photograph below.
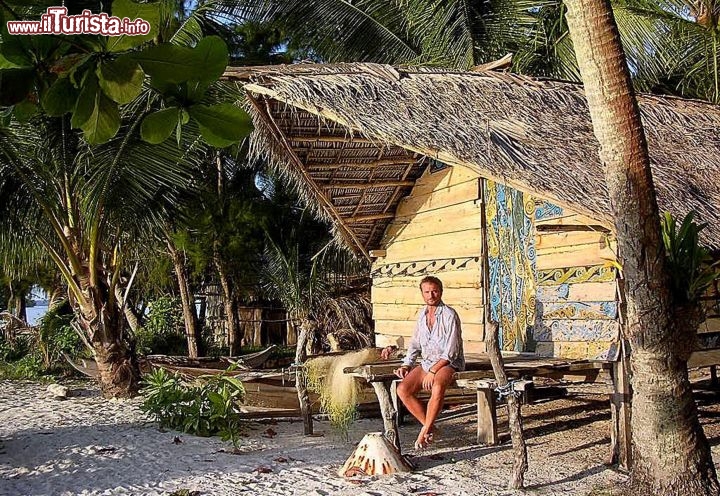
(547, 210)
(577, 330)
(511, 253)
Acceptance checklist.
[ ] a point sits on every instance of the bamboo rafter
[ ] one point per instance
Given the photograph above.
(368, 218)
(266, 117)
(364, 185)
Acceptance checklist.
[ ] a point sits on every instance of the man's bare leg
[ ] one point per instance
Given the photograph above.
(443, 378)
(407, 391)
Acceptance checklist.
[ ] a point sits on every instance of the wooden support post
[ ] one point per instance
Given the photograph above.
(620, 407)
(487, 431)
(257, 316)
(397, 404)
(713, 376)
(388, 411)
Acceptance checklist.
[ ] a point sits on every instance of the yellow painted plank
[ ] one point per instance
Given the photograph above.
(411, 295)
(576, 275)
(568, 220)
(460, 217)
(588, 255)
(430, 182)
(474, 346)
(544, 241)
(710, 325)
(385, 311)
(452, 245)
(450, 279)
(439, 199)
(469, 345)
(573, 350)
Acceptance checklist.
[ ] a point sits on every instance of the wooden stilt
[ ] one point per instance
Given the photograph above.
(487, 431)
(620, 407)
(388, 411)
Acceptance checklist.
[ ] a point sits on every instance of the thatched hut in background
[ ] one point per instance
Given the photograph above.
(403, 160)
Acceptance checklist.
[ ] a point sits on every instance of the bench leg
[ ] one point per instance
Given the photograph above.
(388, 411)
(487, 431)
(620, 410)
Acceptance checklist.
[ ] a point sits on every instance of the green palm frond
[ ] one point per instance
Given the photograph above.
(672, 45)
(337, 30)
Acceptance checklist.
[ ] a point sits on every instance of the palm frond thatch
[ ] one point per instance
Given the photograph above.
(376, 127)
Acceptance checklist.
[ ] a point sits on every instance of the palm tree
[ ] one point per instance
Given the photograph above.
(84, 205)
(456, 33)
(672, 454)
(677, 45)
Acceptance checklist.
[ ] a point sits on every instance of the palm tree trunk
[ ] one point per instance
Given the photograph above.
(101, 322)
(17, 303)
(229, 304)
(671, 453)
(306, 329)
(187, 301)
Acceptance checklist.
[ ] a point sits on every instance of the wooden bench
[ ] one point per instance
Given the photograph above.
(480, 378)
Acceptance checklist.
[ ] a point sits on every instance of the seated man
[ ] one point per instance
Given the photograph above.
(438, 339)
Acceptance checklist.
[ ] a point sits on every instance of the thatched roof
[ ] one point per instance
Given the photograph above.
(359, 135)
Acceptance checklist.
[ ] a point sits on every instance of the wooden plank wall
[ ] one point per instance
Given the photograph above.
(711, 302)
(577, 309)
(436, 232)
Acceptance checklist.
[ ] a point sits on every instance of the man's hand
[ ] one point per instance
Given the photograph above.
(402, 371)
(387, 352)
(428, 381)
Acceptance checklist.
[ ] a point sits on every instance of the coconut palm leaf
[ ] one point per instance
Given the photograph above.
(336, 30)
(672, 45)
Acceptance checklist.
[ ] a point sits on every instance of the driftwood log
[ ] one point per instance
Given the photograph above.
(520, 463)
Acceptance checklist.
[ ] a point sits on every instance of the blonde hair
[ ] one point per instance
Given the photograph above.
(433, 280)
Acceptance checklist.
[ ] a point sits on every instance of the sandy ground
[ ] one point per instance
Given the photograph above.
(87, 445)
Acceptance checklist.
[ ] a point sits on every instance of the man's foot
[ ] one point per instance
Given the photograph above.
(424, 439)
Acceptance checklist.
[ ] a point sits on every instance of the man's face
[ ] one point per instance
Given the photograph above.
(431, 293)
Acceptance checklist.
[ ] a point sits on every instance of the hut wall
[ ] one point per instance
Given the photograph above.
(436, 232)
(708, 343)
(577, 307)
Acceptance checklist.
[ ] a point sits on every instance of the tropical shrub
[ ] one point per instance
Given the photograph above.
(691, 267)
(11, 351)
(29, 366)
(204, 407)
(162, 330)
(40, 352)
(56, 336)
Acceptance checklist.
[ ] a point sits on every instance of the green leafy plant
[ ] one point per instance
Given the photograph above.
(162, 330)
(56, 336)
(11, 351)
(29, 366)
(205, 407)
(92, 77)
(690, 263)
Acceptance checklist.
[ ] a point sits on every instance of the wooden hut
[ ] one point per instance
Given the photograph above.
(406, 164)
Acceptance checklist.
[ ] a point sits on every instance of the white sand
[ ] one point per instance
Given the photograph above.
(87, 445)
